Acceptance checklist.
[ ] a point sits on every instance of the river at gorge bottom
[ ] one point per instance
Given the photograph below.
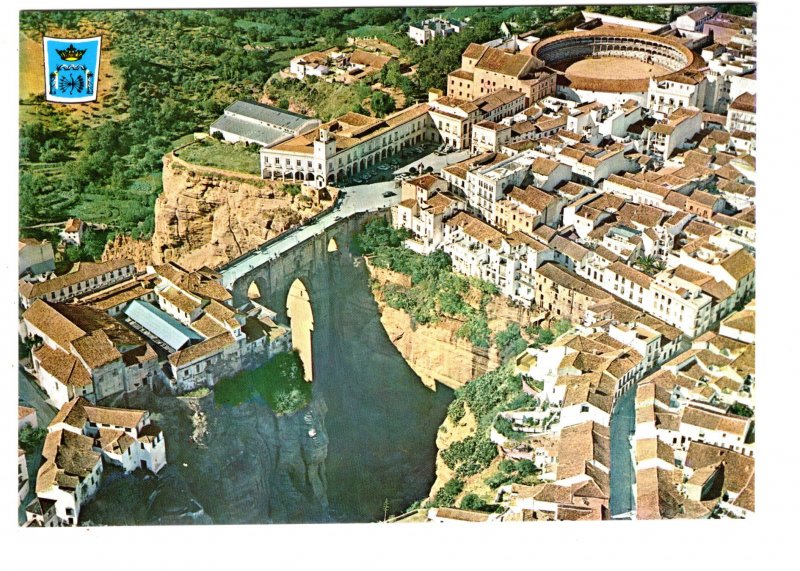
(374, 422)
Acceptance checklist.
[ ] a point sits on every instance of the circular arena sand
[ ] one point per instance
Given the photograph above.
(611, 68)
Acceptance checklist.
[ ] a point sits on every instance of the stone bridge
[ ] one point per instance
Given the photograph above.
(291, 275)
(291, 256)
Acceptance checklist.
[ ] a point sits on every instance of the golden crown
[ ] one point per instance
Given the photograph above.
(71, 54)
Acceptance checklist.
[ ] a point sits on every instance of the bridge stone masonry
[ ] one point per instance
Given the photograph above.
(291, 256)
(289, 274)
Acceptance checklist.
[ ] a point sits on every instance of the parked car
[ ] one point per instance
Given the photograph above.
(389, 193)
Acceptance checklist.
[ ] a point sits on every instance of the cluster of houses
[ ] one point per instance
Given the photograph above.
(694, 441)
(80, 440)
(336, 65)
(104, 329)
(635, 221)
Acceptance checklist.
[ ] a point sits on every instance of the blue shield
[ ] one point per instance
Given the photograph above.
(71, 69)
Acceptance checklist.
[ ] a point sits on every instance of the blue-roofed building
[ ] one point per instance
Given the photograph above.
(158, 324)
(262, 124)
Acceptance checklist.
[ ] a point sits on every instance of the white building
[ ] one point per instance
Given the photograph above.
(73, 231)
(669, 135)
(260, 124)
(35, 257)
(79, 437)
(346, 146)
(85, 277)
(427, 30)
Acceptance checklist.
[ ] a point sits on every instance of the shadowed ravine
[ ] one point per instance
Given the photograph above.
(375, 429)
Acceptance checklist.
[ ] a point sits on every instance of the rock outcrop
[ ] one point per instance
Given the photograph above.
(434, 351)
(207, 216)
(251, 466)
(124, 246)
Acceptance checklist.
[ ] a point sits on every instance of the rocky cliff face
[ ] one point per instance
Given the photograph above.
(434, 351)
(207, 216)
(123, 246)
(250, 466)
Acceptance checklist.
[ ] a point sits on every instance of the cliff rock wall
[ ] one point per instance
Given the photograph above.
(434, 351)
(207, 216)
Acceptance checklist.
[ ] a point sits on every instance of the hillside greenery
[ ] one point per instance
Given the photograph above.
(174, 71)
(436, 291)
(279, 382)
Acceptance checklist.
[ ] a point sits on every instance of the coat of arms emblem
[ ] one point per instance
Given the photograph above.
(71, 68)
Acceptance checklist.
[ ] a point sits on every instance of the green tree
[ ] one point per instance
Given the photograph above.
(472, 502)
(562, 326)
(382, 103)
(510, 342)
(546, 337)
(30, 438)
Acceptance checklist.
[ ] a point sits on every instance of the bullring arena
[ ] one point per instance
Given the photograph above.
(614, 61)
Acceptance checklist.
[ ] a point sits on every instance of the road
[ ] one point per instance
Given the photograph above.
(31, 395)
(355, 200)
(623, 423)
(435, 161)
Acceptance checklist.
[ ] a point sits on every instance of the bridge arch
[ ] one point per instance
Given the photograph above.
(301, 321)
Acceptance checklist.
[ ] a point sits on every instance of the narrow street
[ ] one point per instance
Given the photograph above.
(623, 424)
(31, 395)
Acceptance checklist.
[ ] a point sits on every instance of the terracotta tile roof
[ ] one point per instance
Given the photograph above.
(580, 444)
(440, 202)
(114, 441)
(701, 231)
(570, 188)
(461, 74)
(117, 294)
(96, 349)
(47, 319)
(82, 272)
(223, 314)
(201, 350)
(656, 494)
(739, 264)
(744, 320)
(63, 366)
(564, 278)
(426, 181)
(533, 197)
(477, 229)
(69, 458)
(370, 59)
(123, 417)
(522, 238)
(640, 185)
(747, 497)
(715, 421)
(207, 327)
(25, 411)
(629, 273)
(179, 299)
(648, 216)
(149, 433)
(73, 225)
(204, 282)
(492, 101)
(569, 248)
(474, 51)
(745, 102)
(137, 355)
(452, 102)
(504, 63)
(544, 166)
(738, 467)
